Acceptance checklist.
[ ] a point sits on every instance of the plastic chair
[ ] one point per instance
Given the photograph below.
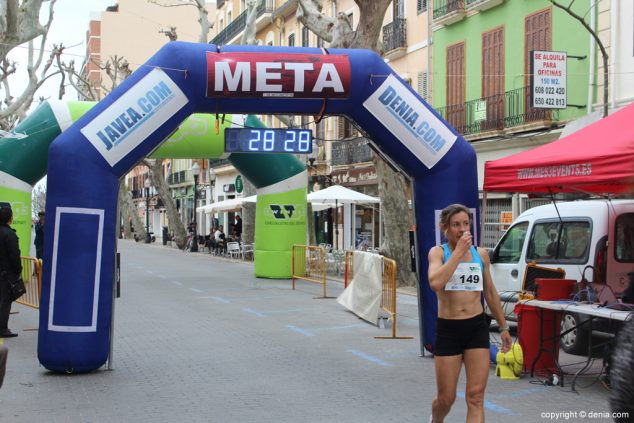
(247, 251)
(234, 250)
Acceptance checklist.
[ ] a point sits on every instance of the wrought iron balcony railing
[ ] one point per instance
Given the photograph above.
(496, 112)
(351, 151)
(444, 7)
(178, 178)
(395, 35)
(238, 24)
(482, 5)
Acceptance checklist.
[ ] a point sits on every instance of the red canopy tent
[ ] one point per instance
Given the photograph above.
(596, 159)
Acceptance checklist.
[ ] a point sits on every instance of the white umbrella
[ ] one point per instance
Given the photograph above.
(337, 194)
(231, 204)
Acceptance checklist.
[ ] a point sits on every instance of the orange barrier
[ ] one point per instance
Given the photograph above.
(388, 290)
(309, 264)
(388, 296)
(348, 267)
(32, 276)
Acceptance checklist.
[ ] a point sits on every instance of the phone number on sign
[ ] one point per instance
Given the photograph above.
(569, 415)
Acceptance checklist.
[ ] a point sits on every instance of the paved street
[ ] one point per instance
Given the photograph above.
(199, 339)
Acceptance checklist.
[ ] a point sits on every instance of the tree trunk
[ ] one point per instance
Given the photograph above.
(310, 225)
(123, 210)
(248, 214)
(392, 186)
(175, 225)
(128, 205)
(396, 220)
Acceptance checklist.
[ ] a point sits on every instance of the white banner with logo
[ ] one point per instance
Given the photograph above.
(409, 120)
(134, 116)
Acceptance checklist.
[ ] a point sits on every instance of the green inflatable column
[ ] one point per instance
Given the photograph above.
(280, 219)
(280, 179)
(23, 162)
(18, 194)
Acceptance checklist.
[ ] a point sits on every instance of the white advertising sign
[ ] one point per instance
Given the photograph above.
(549, 79)
(134, 116)
(407, 118)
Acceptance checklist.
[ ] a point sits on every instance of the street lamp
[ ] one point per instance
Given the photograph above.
(212, 182)
(147, 184)
(195, 171)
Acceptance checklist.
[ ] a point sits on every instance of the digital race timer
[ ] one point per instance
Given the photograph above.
(268, 140)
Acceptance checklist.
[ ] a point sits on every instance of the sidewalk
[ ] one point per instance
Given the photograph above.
(199, 339)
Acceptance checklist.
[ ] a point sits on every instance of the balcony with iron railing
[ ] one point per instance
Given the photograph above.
(499, 112)
(447, 12)
(482, 5)
(395, 39)
(236, 27)
(178, 178)
(351, 151)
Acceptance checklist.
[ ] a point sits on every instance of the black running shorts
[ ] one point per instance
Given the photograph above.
(453, 336)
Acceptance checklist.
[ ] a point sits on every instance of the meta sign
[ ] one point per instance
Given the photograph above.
(548, 79)
(266, 75)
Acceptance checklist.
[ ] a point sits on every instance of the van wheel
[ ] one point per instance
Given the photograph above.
(575, 341)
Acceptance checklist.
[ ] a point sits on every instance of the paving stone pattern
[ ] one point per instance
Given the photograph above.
(199, 339)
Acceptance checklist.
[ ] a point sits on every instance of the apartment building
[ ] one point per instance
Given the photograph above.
(482, 79)
(134, 30)
(341, 154)
(614, 20)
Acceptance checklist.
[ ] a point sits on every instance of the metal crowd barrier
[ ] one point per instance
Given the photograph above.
(32, 276)
(388, 289)
(349, 270)
(388, 296)
(309, 264)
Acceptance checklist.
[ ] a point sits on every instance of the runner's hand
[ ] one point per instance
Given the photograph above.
(506, 341)
(464, 244)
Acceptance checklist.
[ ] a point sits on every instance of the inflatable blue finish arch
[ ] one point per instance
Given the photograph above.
(87, 160)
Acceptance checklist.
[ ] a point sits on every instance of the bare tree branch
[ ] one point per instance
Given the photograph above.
(249, 34)
(597, 39)
(19, 24)
(203, 15)
(170, 33)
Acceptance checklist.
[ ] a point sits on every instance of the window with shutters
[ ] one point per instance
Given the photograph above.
(345, 128)
(320, 130)
(422, 88)
(456, 86)
(537, 36)
(291, 40)
(493, 78)
(305, 36)
(421, 6)
(399, 9)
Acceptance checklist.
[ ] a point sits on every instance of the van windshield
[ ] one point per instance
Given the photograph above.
(510, 248)
(554, 241)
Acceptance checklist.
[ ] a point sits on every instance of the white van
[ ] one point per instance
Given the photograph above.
(596, 236)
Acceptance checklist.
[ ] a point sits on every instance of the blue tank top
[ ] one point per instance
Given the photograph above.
(474, 253)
